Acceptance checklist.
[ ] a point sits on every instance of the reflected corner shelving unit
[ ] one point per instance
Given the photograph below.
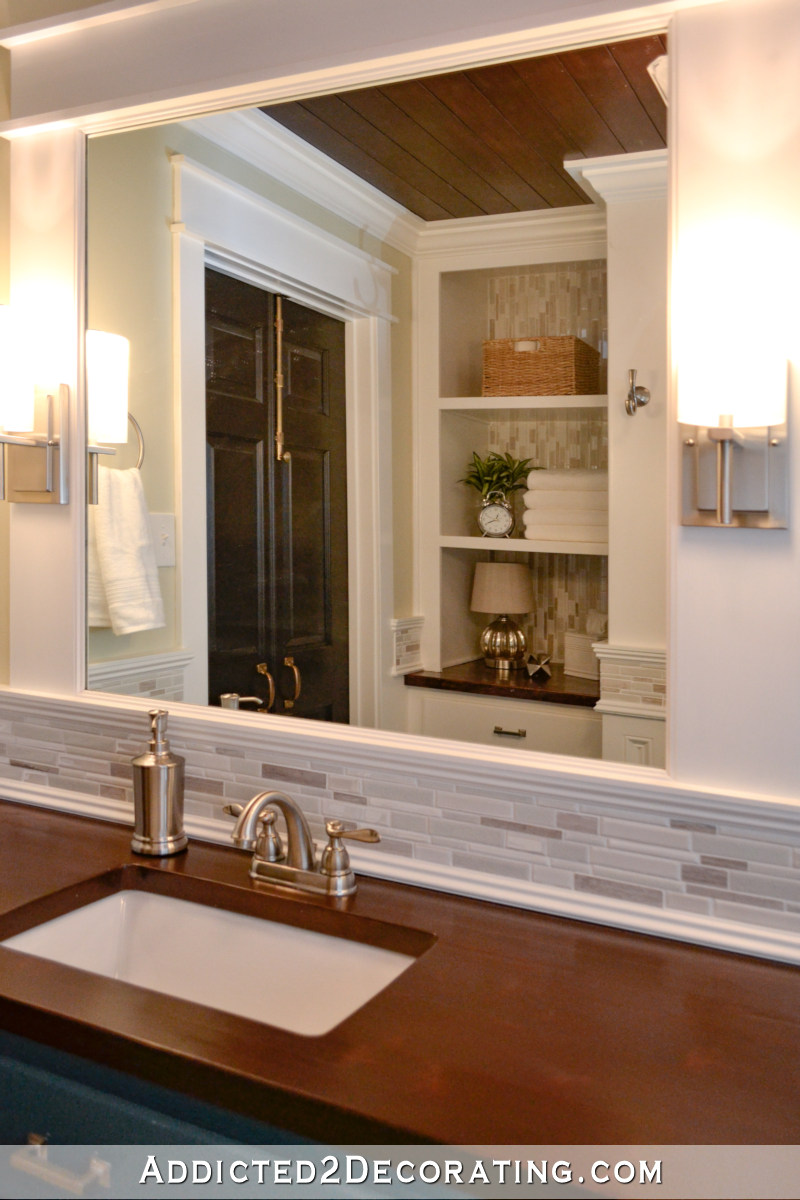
(453, 418)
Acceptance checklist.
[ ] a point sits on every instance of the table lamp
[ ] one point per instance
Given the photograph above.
(502, 587)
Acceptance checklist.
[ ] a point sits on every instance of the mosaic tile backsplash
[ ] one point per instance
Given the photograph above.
(556, 439)
(552, 299)
(734, 870)
(566, 588)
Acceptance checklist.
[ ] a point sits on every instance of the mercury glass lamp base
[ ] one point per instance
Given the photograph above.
(503, 645)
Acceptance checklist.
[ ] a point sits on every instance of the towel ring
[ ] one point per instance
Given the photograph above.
(140, 439)
(94, 453)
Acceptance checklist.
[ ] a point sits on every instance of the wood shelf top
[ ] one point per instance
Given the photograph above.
(476, 678)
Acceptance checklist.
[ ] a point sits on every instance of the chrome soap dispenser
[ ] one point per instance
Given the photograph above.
(158, 794)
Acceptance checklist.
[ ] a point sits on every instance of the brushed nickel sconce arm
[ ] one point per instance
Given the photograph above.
(735, 477)
(36, 465)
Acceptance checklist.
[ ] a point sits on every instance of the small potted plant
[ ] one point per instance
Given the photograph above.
(496, 477)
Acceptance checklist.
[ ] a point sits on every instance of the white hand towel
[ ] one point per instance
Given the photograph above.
(569, 480)
(555, 498)
(567, 533)
(96, 608)
(125, 556)
(565, 516)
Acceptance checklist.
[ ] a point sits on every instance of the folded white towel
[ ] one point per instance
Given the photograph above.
(562, 480)
(565, 516)
(567, 533)
(555, 498)
(123, 586)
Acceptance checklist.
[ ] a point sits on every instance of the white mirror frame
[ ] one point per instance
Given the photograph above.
(47, 548)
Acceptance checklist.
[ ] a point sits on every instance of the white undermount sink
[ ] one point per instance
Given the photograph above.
(294, 978)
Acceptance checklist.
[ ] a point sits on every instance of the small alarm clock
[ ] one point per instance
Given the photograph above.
(495, 517)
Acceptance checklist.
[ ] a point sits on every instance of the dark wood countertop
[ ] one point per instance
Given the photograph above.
(477, 678)
(511, 1028)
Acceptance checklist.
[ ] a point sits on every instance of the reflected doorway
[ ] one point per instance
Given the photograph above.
(277, 529)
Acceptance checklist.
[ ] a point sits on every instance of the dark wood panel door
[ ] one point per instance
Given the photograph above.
(277, 530)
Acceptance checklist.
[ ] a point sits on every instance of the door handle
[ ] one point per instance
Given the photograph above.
(298, 680)
(263, 669)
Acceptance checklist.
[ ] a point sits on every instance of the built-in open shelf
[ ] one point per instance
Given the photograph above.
(502, 407)
(524, 545)
(477, 678)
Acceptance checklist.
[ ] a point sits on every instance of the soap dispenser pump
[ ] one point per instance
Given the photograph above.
(158, 794)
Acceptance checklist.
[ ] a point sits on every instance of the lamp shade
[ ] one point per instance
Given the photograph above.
(502, 587)
(107, 359)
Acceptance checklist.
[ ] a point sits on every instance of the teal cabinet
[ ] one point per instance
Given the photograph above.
(65, 1100)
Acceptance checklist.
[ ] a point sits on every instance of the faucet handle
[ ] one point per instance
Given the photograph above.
(267, 844)
(269, 847)
(335, 859)
(336, 829)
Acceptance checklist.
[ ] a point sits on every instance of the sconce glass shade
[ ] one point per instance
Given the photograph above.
(500, 587)
(732, 311)
(107, 364)
(17, 395)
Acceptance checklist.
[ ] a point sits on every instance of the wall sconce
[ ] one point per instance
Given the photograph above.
(735, 464)
(502, 587)
(107, 367)
(34, 429)
(732, 324)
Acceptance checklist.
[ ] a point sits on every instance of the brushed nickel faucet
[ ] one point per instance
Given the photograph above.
(298, 865)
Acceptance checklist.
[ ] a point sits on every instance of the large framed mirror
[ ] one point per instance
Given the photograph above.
(411, 222)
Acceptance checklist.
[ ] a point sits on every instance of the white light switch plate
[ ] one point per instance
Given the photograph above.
(163, 527)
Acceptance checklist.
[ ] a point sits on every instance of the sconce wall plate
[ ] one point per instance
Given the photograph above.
(37, 464)
(736, 481)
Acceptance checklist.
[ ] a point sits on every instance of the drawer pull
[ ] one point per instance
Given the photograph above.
(517, 733)
(32, 1160)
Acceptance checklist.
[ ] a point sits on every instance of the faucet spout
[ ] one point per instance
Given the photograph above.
(300, 845)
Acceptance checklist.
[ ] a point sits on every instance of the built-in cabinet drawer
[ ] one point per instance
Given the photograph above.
(519, 724)
(59, 1099)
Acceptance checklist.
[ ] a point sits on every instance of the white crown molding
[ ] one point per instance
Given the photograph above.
(263, 143)
(120, 672)
(280, 154)
(622, 177)
(630, 654)
(738, 937)
(578, 232)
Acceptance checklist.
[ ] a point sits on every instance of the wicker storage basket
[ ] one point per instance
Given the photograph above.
(541, 366)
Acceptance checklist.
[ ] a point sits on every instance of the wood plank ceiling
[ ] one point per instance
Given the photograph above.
(490, 139)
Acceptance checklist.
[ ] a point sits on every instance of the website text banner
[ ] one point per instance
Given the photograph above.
(387, 1172)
